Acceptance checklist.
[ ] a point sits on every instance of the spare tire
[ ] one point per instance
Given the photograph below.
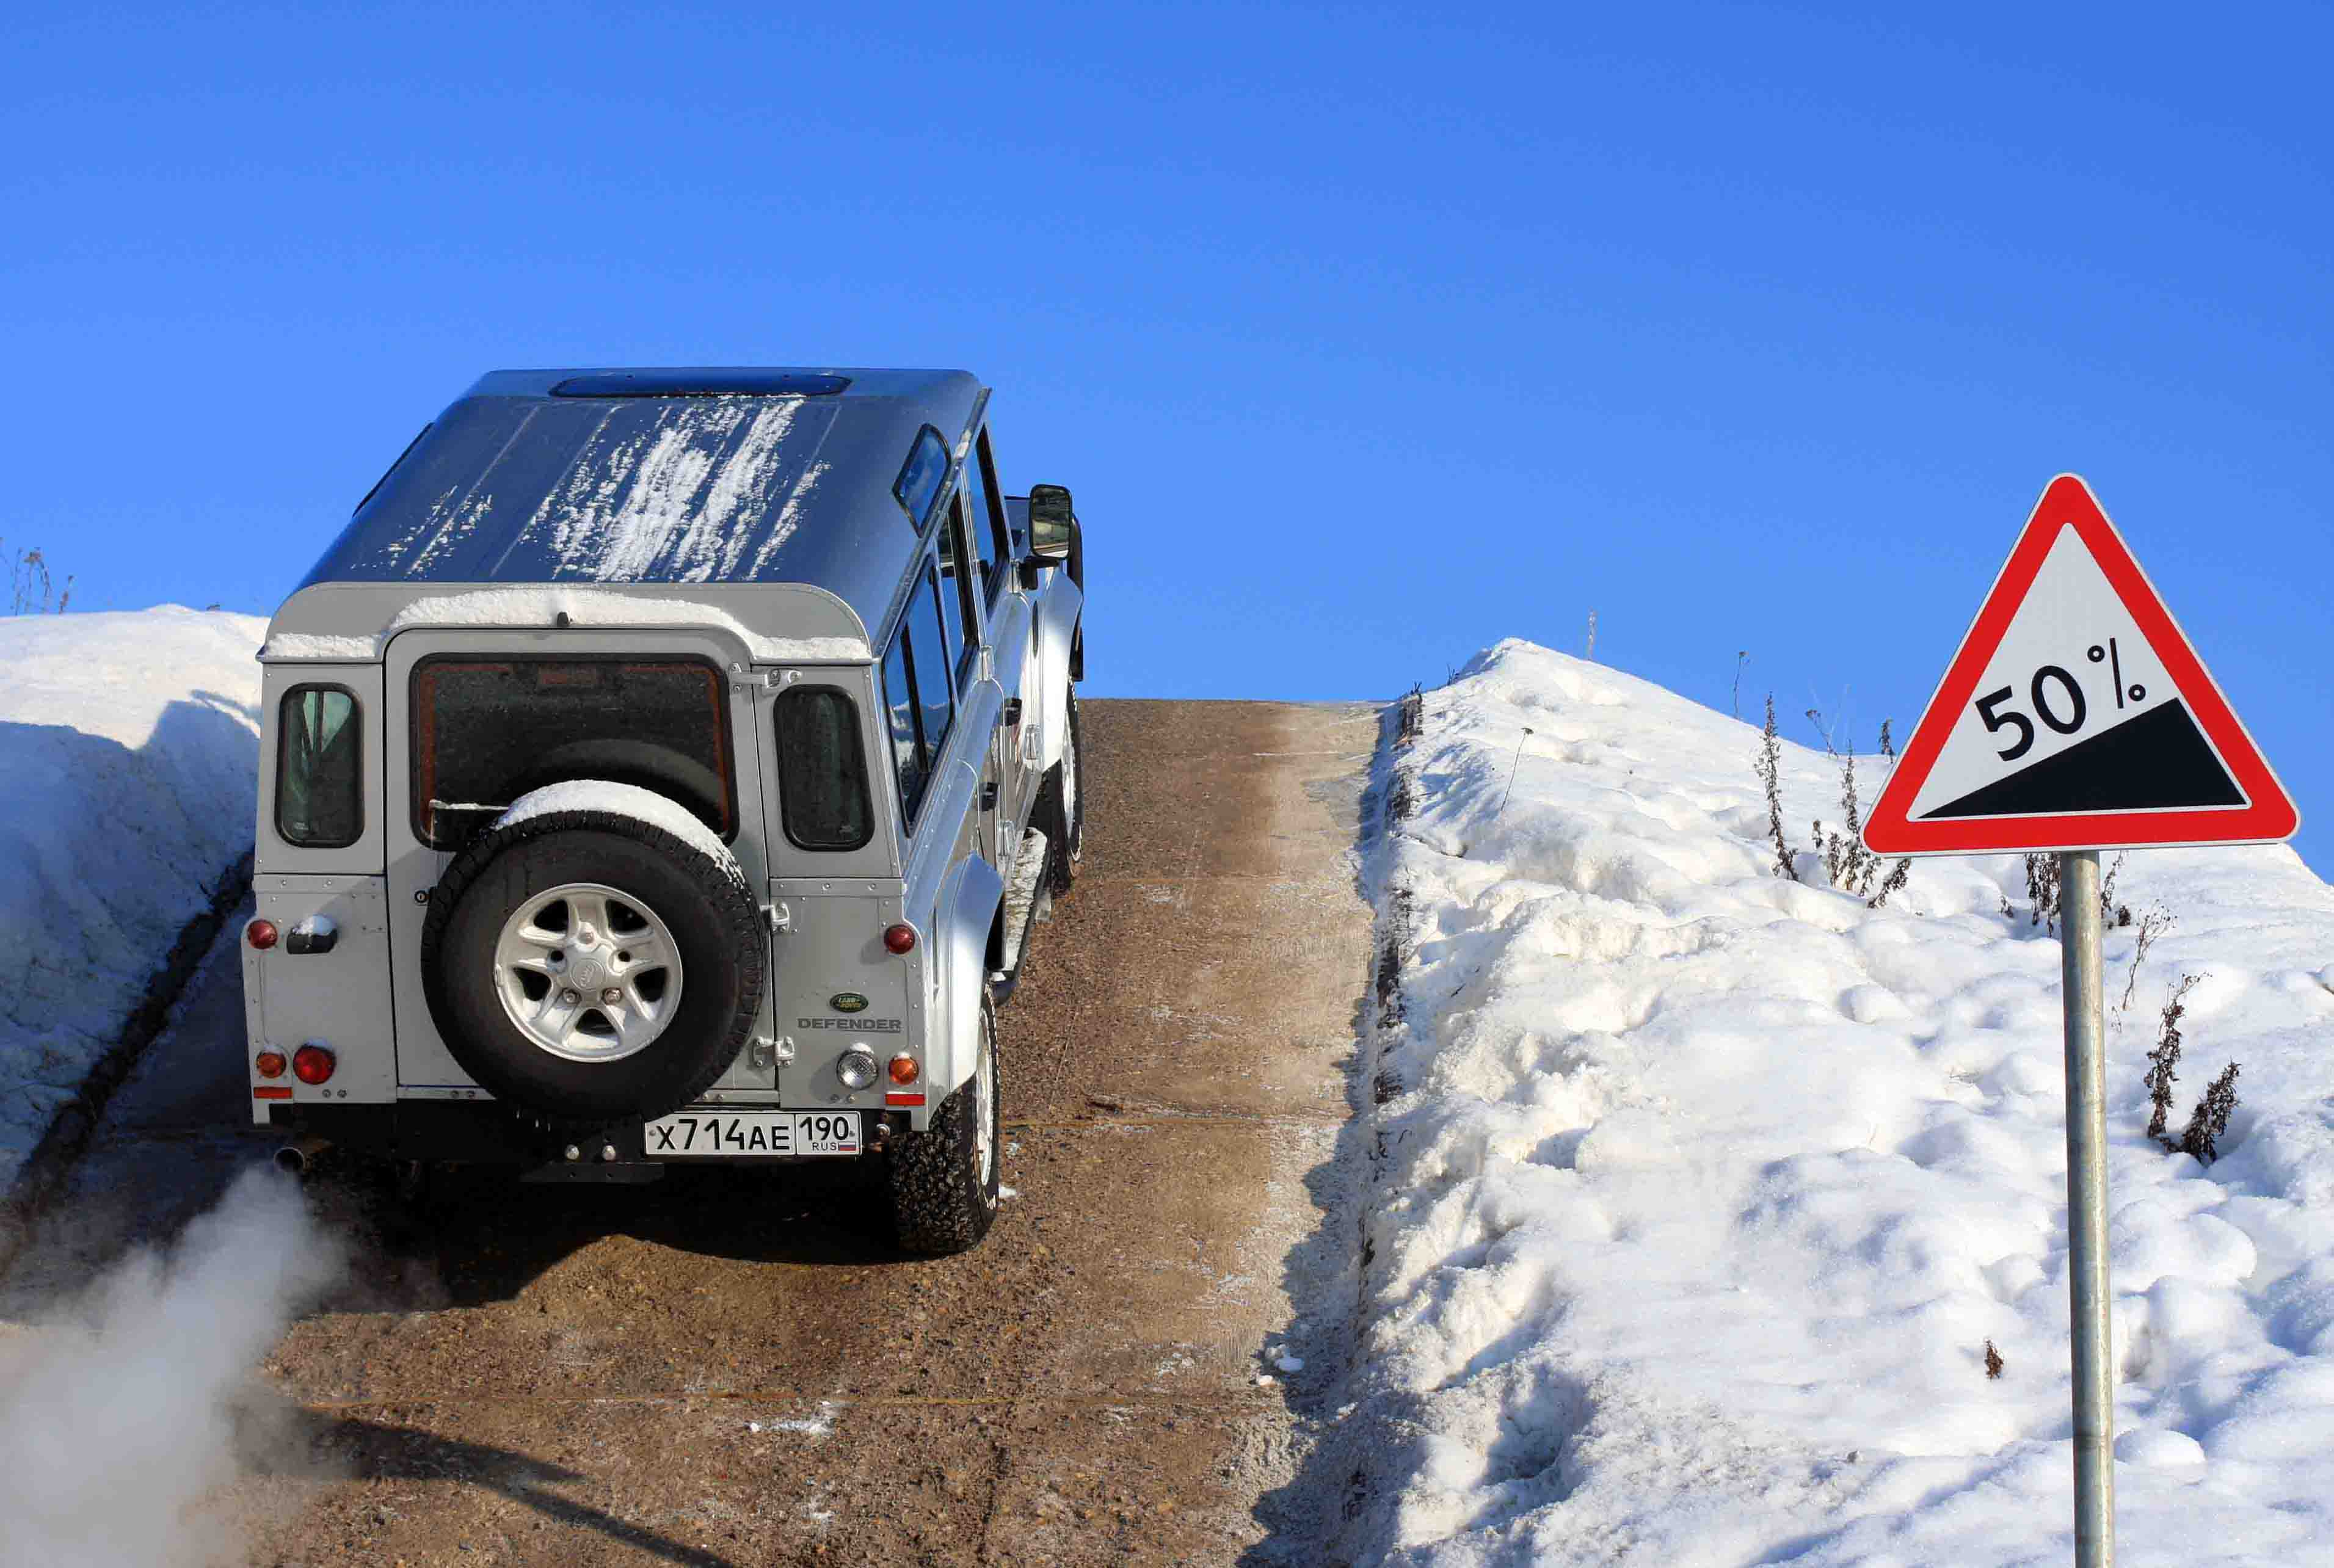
(595, 956)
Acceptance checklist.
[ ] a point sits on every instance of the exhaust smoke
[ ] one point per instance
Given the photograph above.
(118, 1410)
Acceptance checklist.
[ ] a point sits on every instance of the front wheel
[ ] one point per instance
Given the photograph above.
(944, 1180)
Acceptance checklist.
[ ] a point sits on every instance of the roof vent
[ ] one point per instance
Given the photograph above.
(700, 384)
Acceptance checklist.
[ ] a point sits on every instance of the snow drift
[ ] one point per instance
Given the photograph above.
(1700, 1191)
(129, 744)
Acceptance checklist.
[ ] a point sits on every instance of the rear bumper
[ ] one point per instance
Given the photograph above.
(487, 1133)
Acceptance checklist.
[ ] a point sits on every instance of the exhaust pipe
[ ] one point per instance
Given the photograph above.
(299, 1157)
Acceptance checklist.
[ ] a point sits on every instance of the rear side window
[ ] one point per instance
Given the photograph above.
(319, 769)
(916, 694)
(821, 771)
(919, 484)
(900, 726)
(933, 662)
(488, 731)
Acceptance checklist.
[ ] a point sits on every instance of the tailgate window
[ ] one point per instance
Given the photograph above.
(485, 731)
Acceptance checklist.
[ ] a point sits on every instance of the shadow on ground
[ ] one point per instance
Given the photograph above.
(482, 1236)
(290, 1441)
(1313, 1515)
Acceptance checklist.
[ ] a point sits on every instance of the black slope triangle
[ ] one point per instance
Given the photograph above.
(2156, 762)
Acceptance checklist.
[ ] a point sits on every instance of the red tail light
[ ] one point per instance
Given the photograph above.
(311, 1065)
(270, 1063)
(900, 938)
(260, 934)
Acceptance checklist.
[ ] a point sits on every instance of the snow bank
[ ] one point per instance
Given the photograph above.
(1700, 1191)
(129, 745)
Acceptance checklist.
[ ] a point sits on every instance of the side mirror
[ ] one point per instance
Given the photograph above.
(1054, 533)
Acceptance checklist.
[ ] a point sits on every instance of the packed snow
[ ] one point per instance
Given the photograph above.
(129, 750)
(1701, 1192)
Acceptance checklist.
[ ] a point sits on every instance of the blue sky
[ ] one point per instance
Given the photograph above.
(1365, 337)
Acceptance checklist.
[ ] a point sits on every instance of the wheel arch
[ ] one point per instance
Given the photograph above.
(971, 900)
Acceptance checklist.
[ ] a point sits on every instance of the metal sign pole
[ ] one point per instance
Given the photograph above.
(2086, 1209)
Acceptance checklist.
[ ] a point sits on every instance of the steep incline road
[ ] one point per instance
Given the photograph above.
(721, 1369)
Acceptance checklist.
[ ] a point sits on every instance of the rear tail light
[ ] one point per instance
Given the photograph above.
(899, 938)
(855, 1067)
(311, 1065)
(260, 934)
(269, 1064)
(904, 1070)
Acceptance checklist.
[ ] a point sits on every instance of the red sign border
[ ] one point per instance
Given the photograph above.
(2068, 502)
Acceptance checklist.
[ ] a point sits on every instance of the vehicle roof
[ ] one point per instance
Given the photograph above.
(516, 483)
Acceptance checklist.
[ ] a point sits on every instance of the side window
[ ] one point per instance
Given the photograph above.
(934, 666)
(900, 721)
(986, 521)
(916, 694)
(822, 772)
(919, 484)
(319, 769)
(956, 586)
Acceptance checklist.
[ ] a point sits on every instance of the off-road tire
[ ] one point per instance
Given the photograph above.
(942, 1202)
(705, 903)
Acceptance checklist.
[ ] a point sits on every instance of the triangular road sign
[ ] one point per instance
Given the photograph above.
(2076, 716)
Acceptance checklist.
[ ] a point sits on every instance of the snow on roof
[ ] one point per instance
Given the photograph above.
(536, 607)
(514, 484)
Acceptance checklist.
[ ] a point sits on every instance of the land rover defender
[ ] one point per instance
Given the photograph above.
(668, 766)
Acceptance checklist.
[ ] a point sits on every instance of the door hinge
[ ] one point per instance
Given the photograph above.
(1012, 710)
(989, 795)
(781, 919)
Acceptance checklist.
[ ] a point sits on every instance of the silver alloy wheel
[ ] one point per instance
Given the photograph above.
(588, 972)
(984, 1117)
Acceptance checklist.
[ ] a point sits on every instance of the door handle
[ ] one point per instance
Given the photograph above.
(1012, 710)
(988, 796)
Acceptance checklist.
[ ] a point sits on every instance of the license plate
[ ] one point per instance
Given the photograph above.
(749, 1134)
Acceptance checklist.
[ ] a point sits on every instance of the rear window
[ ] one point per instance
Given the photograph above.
(488, 731)
(319, 769)
(821, 771)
